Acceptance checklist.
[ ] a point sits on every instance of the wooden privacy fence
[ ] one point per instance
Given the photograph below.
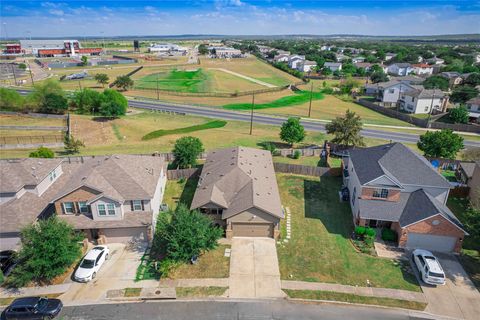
(305, 170)
(459, 192)
(183, 173)
(306, 152)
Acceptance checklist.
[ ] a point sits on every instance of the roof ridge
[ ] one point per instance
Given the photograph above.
(113, 157)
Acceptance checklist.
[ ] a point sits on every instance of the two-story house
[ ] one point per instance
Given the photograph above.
(390, 92)
(473, 107)
(109, 198)
(294, 60)
(400, 69)
(390, 186)
(422, 69)
(333, 66)
(423, 101)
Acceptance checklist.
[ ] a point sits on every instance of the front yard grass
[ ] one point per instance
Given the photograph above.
(353, 298)
(211, 264)
(132, 292)
(200, 292)
(320, 249)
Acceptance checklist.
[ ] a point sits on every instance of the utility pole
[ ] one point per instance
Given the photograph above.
(251, 114)
(30, 70)
(310, 105)
(158, 95)
(80, 84)
(14, 76)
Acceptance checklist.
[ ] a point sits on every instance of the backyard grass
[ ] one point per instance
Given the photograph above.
(449, 175)
(132, 292)
(209, 125)
(211, 264)
(297, 98)
(320, 249)
(179, 191)
(200, 292)
(353, 298)
(305, 161)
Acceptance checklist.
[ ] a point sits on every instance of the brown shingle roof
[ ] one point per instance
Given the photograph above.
(130, 219)
(237, 179)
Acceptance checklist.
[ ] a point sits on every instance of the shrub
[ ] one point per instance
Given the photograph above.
(270, 147)
(370, 232)
(359, 230)
(296, 154)
(42, 152)
(2, 278)
(166, 266)
(369, 240)
(389, 235)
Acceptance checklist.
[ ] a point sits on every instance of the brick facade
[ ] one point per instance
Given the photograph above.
(444, 228)
(81, 194)
(367, 194)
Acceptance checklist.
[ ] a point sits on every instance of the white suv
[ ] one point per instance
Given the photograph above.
(429, 267)
(91, 263)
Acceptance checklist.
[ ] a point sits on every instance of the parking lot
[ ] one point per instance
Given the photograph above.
(458, 298)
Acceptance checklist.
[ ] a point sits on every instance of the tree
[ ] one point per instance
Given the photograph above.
(346, 130)
(292, 131)
(113, 104)
(187, 234)
(22, 66)
(440, 144)
(462, 94)
(10, 100)
(54, 103)
(326, 71)
(473, 79)
(123, 82)
(42, 152)
(378, 76)
(459, 115)
(86, 100)
(348, 85)
(437, 82)
(72, 145)
(202, 49)
(186, 151)
(102, 78)
(84, 60)
(49, 247)
(47, 90)
(471, 220)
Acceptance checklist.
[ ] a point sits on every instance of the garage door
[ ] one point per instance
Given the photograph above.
(252, 229)
(124, 235)
(431, 242)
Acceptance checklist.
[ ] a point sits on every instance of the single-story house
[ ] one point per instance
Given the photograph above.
(333, 66)
(390, 186)
(306, 66)
(238, 189)
(363, 65)
(473, 107)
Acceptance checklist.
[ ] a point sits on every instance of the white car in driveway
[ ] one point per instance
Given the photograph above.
(429, 267)
(91, 263)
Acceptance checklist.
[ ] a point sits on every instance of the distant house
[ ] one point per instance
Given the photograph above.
(341, 57)
(435, 60)
(281, 57)
(238, 190)
(363, 65)
(423, 100)
(390, 56)
(306, 66)
(400, 69)
(422, 69)
(454, 78)
(389, 92)
(390, 186)
(226, 52)
(473, 107)
(358, 59)
(410, 79)
(294, 60)
(333, 66)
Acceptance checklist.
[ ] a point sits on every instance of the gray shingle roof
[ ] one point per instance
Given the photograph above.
(238, 179)
(468, 168)
(397, 161)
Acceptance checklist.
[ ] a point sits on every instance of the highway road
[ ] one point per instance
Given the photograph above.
(273, 120)
(234, 310)
(310, 125)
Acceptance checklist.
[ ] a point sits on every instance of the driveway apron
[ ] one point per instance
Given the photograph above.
(254, 271)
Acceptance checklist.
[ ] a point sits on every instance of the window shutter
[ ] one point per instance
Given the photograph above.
(63, 208)
(143, 207)
(131, 205)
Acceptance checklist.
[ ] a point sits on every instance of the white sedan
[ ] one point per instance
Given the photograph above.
(91, 263)
(429, 267)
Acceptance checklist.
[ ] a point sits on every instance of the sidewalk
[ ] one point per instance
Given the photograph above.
(361, 291)
(34, 291)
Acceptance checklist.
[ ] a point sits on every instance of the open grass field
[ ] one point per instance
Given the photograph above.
(319, 218)
(205, 126)
(299, 97)
(21, 120)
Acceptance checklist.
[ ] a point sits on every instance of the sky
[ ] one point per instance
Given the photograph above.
(22, 18)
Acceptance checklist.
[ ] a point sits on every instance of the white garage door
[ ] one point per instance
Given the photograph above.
(124, 235)
(431, 242)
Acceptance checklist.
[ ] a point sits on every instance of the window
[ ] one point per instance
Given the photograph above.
(68, 207)
(52, 175)
(380, 193)
(137, 205)
(391, 90)
(426, 109)
(101, 210)
(82, 206)
(111, 209)
(354, 195)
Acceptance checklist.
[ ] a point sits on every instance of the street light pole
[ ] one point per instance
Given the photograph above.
(310, 105)
(158, 95)
(251, 114)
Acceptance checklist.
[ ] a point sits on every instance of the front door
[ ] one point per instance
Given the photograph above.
(94, 233)
(372, 223)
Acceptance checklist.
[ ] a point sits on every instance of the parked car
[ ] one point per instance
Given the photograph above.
(91, 263)
(429, 267)
(7, 261)
(33, 308)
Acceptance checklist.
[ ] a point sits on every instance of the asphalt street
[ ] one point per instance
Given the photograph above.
(233, 310)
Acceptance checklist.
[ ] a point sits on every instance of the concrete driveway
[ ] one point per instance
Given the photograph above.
(458, 298)
(117, 272)
(254, 269)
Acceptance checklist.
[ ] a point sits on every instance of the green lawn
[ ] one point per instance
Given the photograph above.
(353, 298)
(178, 191)
(299, 97)
(320, 249)
(200, 292)
(211, 264)
(306, 161)
(209, 125)
(176, 80)
(449, 175)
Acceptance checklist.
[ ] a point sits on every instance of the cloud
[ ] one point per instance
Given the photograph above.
(56, 12)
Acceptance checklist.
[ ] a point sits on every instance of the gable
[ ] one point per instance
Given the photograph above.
(82, 193)
(383, 181)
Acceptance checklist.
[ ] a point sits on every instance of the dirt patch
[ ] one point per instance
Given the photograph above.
(92, 132)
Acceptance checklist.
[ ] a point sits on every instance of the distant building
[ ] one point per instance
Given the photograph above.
(454, 78)
(12, 48)
(473, 107)
(422, 69)
(363, 65)
(358, 59)
(225, 52)
(423, 100)
(166, 48)
(56, 48)
(390, 56)
(333, 66)
(400, 69)
(283, 57)
(294, 60)
(306, 66)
